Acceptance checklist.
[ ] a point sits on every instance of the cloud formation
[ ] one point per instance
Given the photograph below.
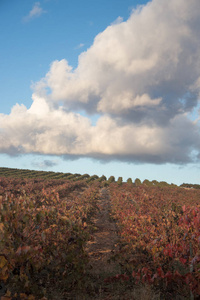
(81, 45)
(141, 76)
(35, 12)
(45, 164)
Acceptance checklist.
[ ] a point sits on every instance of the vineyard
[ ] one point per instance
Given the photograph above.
(72, 236)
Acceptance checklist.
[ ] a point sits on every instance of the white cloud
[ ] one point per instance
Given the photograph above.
(141, 76)
(154, 53)
(58, 132)
(35, 12)
(128, 102)
(117, 21)
(81, 45)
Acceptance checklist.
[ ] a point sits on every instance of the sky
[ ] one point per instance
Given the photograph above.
(106, 87)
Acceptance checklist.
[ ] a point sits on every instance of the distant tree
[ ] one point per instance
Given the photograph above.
(111, 179)
(147, 182)
(77, 174)
(92, 178)
(190, 185)
(137, 182)
(129, 181)
(155, 182)
(84, 176)
(71, 177)
(163, 183)
(102, 178)
(119, 181)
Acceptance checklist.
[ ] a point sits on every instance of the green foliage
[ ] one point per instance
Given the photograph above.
(71, 177)
(84, 176)
(147, 182)
(137, 182)
(111, 179)
(155, 182)
(129, 181)
(92, 178)
(102, 178)
(119, 181)
(163, 183)
(191, 186)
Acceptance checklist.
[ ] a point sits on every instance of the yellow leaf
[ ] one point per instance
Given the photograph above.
(1, 227)
(7, 296)
(8, 293)
(3, 261)
(4, 274)
(31, 297)
(154, 250)
(23, 296)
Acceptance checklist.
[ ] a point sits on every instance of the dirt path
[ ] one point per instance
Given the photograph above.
(104, 239)
(100, 250)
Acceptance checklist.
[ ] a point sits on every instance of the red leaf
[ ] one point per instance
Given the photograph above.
(168, 276)
(160, 272)
(183, 260)
(19, 250)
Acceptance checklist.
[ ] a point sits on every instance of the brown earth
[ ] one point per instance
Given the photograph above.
(101, 249)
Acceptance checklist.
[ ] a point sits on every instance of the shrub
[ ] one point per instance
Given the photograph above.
(137, 182)
(119, 181)
(129, 181)
(111, 179)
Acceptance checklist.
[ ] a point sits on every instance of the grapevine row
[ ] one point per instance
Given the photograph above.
(159, 230)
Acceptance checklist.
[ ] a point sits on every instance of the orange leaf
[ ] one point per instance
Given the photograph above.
(31, 297)
(23, 296)
(3, 261)
(1, 227)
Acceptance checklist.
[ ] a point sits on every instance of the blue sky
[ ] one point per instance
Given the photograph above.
(101, 87)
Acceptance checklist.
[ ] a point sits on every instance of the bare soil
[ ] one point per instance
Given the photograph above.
(101, 249)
